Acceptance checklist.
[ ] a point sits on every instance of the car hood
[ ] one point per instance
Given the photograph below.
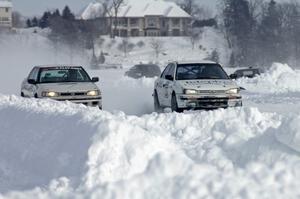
(208, 84)
(69, 87)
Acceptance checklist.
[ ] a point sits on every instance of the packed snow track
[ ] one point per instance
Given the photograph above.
(52, 149)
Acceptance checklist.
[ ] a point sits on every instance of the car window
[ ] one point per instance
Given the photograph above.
(248, 72)
(200, 71)
(165, 73)
(171, 70)
(55, 75)
(34, 74)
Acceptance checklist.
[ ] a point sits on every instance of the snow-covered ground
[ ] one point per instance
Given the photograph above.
(52, 149)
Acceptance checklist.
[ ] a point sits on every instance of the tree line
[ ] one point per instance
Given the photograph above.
(260, 33)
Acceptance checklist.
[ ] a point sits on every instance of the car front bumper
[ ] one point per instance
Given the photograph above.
(208, 102)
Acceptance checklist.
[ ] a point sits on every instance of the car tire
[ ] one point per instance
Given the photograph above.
(157, 107)
(22, 94)
(174, 104)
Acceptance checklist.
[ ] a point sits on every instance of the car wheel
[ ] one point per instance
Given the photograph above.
(174, 105)
(157, 107)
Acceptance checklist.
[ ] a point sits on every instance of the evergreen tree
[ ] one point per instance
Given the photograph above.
(44, 21)
(28, 23)
(34, 22)
(67, 14)
(56, 13)
(239, 25)
(270, 34)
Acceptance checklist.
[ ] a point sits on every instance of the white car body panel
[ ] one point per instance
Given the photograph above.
(210, 89)
(68, 91)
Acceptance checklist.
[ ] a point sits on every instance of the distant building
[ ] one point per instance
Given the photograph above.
(147, 18)
(5, 14)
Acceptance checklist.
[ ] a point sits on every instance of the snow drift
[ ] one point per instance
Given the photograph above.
(280, 78)
(63, 150)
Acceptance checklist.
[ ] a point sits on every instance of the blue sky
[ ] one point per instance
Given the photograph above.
(37, 7)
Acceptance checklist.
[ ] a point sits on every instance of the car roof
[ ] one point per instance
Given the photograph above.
(58, 66)
(195, 62)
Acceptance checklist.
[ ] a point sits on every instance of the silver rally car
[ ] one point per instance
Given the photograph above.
(62, 83)
(195, 85)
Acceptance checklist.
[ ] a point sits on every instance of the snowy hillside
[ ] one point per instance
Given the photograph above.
(172, 48)
(51, 149)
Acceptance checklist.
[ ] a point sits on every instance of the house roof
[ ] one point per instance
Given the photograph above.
(135, 8)
(5, 4)
(140, 8)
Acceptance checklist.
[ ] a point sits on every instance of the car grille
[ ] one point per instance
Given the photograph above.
(73, 94)
(215, 102)
(212, 92)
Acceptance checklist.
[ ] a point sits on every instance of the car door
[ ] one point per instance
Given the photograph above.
(169, 85)
(161, 83)
(31, 89)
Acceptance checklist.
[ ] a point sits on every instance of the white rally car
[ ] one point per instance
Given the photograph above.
(195, 85)
(62, 83)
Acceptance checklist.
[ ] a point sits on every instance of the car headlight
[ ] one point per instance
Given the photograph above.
(93, 93)
(233, 91)
(190, 92)
(49, 94)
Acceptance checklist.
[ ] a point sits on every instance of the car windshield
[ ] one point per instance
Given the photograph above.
(57, 75)
(200, 71)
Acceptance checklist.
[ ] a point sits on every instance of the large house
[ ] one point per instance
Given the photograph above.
(148, 18)
(5, 14)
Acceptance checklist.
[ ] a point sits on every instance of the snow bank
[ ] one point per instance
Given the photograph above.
(289, 132)
(71, 151)
(279, 79)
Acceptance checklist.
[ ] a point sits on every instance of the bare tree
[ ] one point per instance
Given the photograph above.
(17, 21)
(112, 9)
(188, 6)
(194, 37)
(157, 46)
(255, 8)
(125, 46)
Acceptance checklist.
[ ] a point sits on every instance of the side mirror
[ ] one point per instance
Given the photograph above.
(169, 77)
(233, 76)
(95, 79)
(31, 81)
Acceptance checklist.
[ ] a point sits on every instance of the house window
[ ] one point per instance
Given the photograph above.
(176, 32)
(6, 10)
(134, 22)
(176, 22)
(4, 19)
(152, 33)
(152, 22)
(135, 33)
(122, 22)
(123, 33)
